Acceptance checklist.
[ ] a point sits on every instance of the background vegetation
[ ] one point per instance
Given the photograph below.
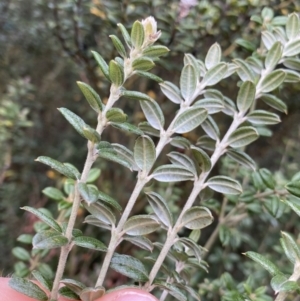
(46, 47)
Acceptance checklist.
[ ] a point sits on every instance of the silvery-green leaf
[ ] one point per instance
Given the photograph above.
(268, 39)
(68, 293)
(90, 243)
(291, 76)
(290, 247)
(193, 246)
(188, 81)
(255, 64)
(137, 34)
(274, 102)
(125, 35)
(118, 45)
(149, 75)
(143, 64)
(155, 51)
(91, 134)
(89, 193)
(214, 75)
(153, 114)
(263, 131)
(229, 106)
(213, 93)
(280, 34)
(242, 136)
(293, 188)
(140, 225)
(189, 120)
(74, 285)
(261, 117)
(213, 56)
(189, 290)
(292, 27)
(264, 262)
(224, 185)
(25, 238)
(267, 177)
(102, 64)
(48, 239)
(92, 293)
(172, 290)
(210, 128)
(21, 253)
(189, 59)
(244, 70)
(116, 115)
(279, 21)
(116, 73)
(46, 283)
(120, 61)
(129, 266)
(160, 208)
(197, 218)
(92, 220)
(267, 13)
(124, 153)
(246, 44)
(93, 175)
(101, 212)
(257, 19)
(182, 159)
(109, 200)
(127, 127)
(53, 193)
(292, 63)
(43, 217)
(291, 48)
(274, 55)
(206, 142)
(201, 158)
(212, 105)
(91, 96)
(171, 92)
(242, 158)
(144, 153)
(246, 96)
(231, 69)
(111, 154)
(140, 241)
(281, 283)
(272, 81)
(180, 142)
(172, 173)
(201, 67)
(146, 128)
(27, 288)
(136, 95)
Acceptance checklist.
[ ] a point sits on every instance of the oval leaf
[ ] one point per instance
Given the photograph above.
(153, 113)
(246, 96)
(89, 243)
(140, 225)
(188, 81)
(172, 173)
(224, 185)
(242, 137)
(197, 218)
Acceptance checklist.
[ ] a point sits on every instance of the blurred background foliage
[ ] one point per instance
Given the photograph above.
(45, 47)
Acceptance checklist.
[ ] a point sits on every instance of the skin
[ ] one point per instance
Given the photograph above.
(127, 294)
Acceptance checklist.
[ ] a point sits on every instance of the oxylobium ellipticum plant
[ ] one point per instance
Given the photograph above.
(276, 62)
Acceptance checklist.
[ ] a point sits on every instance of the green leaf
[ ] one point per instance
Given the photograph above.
(137, 34)
(102, 64)
(91, 96)
(279, 21)
(172, 290)
(180, 142)
(92, 220)
(172, 173)
(290, 247)
(255, 64)
(155, 51)
(294, 204)
(137, 95)
(116, 74)
(280, 283)
(125, 35)
(125, 154)
(153, 114)
(160, 208)
(90, 243)
(268, 39)
(192, 245)
(116, 115)
(43, 217)
(53, 193)
(146, 128)
(144, 153)
(27, 288)
(197, 218)
(102, 213)
(274, 55)
(229, 107)
(109, 200)
(189, 59)
(274, 102)
(140, 225)
(74, 285)
(88, 192)
(140, 241)
(293, 188)
(189, 120)
(93, 175)
(246, 44)
(212, 105)
(244, 70)
(129, 266)
(188, 82)
(118, 45)
(113, 156)
(91, 134)
(292, 27)
(242, 158)
(206, 142)
(267, 178)
(291, 48)
(48, 239)
(242, 136)
(213, 56)
(21, 253)
(261, 117)
(92, 293)
(291, 76)
(224, 185)
(214, 75)
(183, 160)
(171, 92)
(46, 283)
(210, 128)
(202, 158)
(25, 238)
(142, 64)
(292, 63)
(271, 81)
(68, 293)
(246, 96)
(127, 127)
(264, 262)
